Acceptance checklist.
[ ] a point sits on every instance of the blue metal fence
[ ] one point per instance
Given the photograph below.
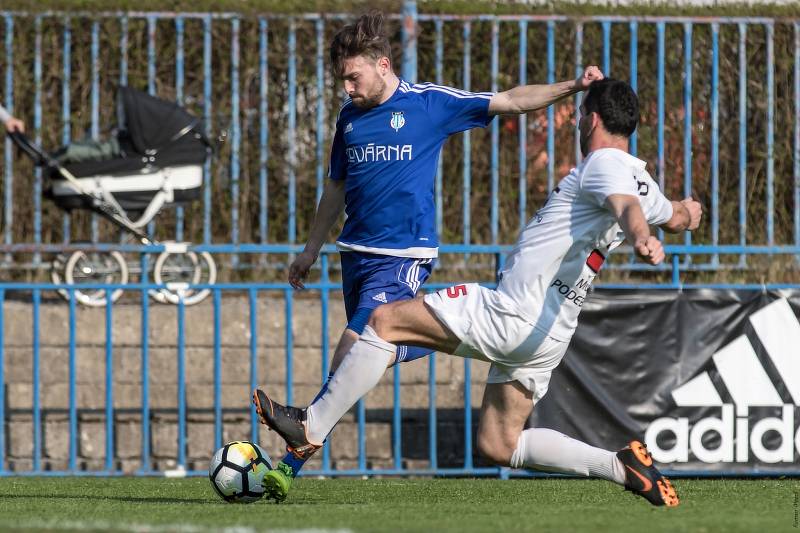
(241, 180)
(246, 166)
(252, 290)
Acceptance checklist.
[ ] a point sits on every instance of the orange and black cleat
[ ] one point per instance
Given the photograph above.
(644, 479)
(286, 421)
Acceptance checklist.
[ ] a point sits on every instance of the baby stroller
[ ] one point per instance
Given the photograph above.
(156, 160)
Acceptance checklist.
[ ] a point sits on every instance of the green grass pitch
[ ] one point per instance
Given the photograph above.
(189, 505)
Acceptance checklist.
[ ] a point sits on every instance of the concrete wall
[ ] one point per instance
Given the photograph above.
(126, 336)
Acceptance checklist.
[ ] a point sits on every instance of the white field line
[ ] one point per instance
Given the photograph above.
(80, 525)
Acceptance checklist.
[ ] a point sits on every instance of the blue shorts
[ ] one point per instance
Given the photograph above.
(369, 280)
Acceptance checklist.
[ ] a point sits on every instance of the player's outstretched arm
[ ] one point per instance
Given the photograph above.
(628, 212)
(526, 98)
(686, 216)
(331, 205)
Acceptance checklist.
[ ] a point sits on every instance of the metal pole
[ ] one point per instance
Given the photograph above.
(409, 38)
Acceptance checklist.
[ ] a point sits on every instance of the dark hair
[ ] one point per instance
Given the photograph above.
(364, 37)
(616, 103)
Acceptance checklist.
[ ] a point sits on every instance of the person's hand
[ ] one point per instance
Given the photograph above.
(14, 124)
(590, 74)
(650, 250)
(695, 210)
(299, 268)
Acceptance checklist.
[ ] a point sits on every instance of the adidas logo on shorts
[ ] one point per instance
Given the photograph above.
(380, 297)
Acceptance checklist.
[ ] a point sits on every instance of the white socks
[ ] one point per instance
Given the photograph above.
(360, 370)
(551, 451)
(537, 448)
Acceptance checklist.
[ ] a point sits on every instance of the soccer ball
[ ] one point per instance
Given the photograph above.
(236, 471)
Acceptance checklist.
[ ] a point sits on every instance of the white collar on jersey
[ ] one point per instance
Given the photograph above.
(629, 159)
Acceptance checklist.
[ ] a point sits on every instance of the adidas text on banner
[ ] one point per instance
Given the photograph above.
(741, 422)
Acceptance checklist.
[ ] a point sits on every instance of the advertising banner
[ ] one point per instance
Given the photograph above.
(710, 379)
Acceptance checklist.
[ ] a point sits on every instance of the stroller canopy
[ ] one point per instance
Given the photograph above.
(153, 124)
(155, 160)
(153, 134)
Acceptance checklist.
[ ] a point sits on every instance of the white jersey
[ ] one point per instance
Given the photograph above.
(562, 248)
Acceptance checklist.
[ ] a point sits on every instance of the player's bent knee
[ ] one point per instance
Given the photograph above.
(380, 320)
(494, 449)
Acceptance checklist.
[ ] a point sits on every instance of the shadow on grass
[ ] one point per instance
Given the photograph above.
(133, 499)
(149, 499)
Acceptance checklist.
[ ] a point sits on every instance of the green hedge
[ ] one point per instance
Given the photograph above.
(504, 7)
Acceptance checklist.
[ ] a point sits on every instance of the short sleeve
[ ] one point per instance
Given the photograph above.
(454, 110)
(337, 168)
(607, 176)
(604, 177)
(657, 207)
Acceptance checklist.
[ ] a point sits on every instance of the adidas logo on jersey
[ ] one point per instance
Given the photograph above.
(749, 386)
(380, 297)
(349, 127)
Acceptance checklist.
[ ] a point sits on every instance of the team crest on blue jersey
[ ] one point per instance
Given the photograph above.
(398, 120)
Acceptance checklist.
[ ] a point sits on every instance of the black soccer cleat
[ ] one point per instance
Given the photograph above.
(286, 421)
(644, 479)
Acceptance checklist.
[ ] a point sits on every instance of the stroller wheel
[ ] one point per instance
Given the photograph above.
(84, 268)
(57, 269)
(177, 271)
(57, 274)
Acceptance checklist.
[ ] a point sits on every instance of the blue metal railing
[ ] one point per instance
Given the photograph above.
(228, 29)
(8, 215)
(2, 383)
(44, 466)
(109, 370)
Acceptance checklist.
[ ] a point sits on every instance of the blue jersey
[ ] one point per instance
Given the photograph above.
(388, 156)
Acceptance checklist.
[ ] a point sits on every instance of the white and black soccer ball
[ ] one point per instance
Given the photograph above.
(237, 470)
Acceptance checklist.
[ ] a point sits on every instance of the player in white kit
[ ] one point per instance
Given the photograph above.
(524, 326)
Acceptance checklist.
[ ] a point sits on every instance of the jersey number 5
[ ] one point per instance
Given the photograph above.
(456, 291)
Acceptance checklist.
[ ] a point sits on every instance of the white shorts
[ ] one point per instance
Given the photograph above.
(490, 329)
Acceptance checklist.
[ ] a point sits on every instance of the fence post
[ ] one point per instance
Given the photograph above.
(3, 386)
(8, 188)
(409, 71)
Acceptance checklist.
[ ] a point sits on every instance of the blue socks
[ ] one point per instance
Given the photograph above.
(295, 463)
(410, 353)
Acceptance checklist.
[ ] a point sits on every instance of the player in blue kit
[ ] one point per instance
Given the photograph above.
(389, 134)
